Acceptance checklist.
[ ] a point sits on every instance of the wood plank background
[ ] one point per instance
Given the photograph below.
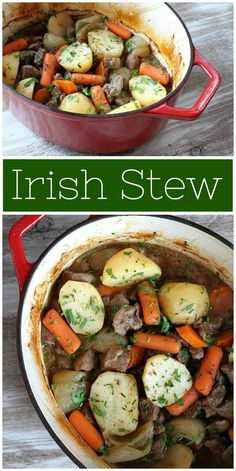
(211, 27)
(26, 443)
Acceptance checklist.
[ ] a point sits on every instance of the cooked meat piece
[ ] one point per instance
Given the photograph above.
(64, 362)
(37, 44)
(147, 410)
(226, 409)
(128, 317)
(159, 446)
(196, 353)
(123, 99)
(27, 57)
(183, 356)
(211, 402)
(74, 276)
(210, 328)
(70, 34)
(47, 338)
(112, 62)
(39, 56)
(85, 361)
(28, 71)
(113, 89)
(228, 370)
(67, 76)
(228, 456)
(215, 445)
(119, 300)
(116, 359)
(133, 61)
(193, 410)
(159, 424)
(58, 77)
(217, 426)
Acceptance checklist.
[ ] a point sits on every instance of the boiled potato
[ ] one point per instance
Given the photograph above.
(59, 23)
(138, 46)
(183, 303)
(52, 42)
(165, 380)
(127, 267)
(177, 456)
(10, 66)
(84, 25)
(132, 106)
(77, 57)
(146, 90)
(26, 87)
(70, 389)
(105, 44)
(77, 103)
(82, 306)
(114, 402)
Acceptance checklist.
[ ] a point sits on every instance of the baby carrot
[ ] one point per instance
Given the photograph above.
(99, 99)
(86, 430)
(187, 333)
(208, 370)
(156, 73)
(60, 50)
(225, 339)
(66, 86)
(221, 300)
(49, 65)
(42, 96)
(156, 342)
(188, 399)
(88, 79)
(14, 46)
(118, 30)
(111, 290)
(64, 335)
(149, 302)
(136, 356)
(101, 70)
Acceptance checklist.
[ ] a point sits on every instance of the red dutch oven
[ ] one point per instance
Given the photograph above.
(35, 282)
(120, 132)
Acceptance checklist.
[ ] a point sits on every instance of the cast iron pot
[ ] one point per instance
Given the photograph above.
(99, 134)
(36, 280)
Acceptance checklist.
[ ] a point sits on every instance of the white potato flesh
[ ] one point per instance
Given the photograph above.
(70, 389)
(52, 42)
(82, 306)
(132, 106)
(59, 23)
(114, 402)
(127, 267)
(183, 303)
(90, 23)
(105, 44)
(146, 90)
(10, 66)
(77, 57)
(138, 46)
(77, 103)
(26, 87)
(165, 380)
(177, 456)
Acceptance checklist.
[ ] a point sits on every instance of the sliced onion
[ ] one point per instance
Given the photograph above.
(104, 340)
(70, 389)
(136, 439)
(177, 456)
(190, 429)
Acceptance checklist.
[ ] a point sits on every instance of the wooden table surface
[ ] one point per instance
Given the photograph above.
(26, 443)
(211, 27)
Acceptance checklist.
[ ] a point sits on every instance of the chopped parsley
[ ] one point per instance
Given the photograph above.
(178, 400)
(110, 273)
(210, 340)
(30, 81)
(78, 397)
(176, 375)
(162, 399)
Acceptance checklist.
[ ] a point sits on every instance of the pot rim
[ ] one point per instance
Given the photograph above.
(129, 113)
(24, 293)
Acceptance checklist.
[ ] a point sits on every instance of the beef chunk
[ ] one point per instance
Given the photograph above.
(74, 276)
(183, 356)
(228, 456)
(159, 424)
(113, 89)
(28, 71)
(36, 42)
(132, 61)
(226, 409)
(119, 300)
(70, 34)
(215, 445)
(128, 317)
(193, 410)
(214, 399)
(147, 410)
(159, 447)
(196, 353)
(210, 328)
(39, 56)
(67, 75)
(85, 361)
(123, 99)
(27, 57)
(112, 62)
(228, 370)
(58, 77)
(63, 362)
(218, 426)
(116, 359)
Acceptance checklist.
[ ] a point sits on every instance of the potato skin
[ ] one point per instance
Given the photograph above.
(146, 90)
(183, 303)
(77, 103)
(10, 66)
(105, 44)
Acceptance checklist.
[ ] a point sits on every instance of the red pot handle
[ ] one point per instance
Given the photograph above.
(194, 112)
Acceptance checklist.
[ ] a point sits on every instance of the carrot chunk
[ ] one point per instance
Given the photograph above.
(66, 86)
(49, 65)
(136, 356)
(64, 335)
(88, 79)
(99, 100)
(157, 342)
(156, 73)
(118, 30)
(188, 399)
(149, 302)
(187, 333)
(86, 430)
(208, 370)
(14, 46)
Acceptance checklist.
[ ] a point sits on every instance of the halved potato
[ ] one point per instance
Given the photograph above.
(10, 66)
(70, 389)
(127, 267)
(77, 103)
(58, 24)
(26, 87)
(146, 90)
(132, 106)
(114, 402)
(84, 25)
(165, 380)
(177, 456)
(52, 42)
(77, 57)
(82, 306)
(183, 303)
(105, 44)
